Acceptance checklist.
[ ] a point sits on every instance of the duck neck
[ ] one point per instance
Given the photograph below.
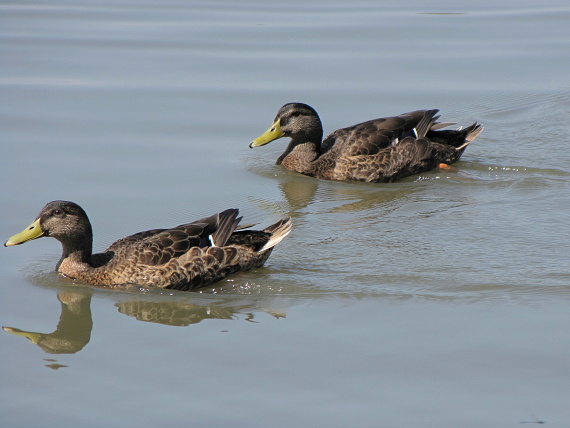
(299, 156)
(76, 252)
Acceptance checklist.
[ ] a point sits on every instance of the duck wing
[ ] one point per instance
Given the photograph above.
(369, 138)
(159, 246)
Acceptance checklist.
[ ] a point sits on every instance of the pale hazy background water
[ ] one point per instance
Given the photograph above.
(438, 301)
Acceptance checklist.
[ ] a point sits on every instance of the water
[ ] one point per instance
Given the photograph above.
(440, 300)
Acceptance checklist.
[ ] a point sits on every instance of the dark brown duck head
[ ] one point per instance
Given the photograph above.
(297, 121)
(64, 221)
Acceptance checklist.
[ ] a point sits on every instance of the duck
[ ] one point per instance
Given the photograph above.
(184, 257)
(376, 151)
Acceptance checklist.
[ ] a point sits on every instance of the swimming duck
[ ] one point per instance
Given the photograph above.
(184, 257)
(379, 150)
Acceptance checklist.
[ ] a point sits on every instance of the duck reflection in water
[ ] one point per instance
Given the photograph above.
(73, 330)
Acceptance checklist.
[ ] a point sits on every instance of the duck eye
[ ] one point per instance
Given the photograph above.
(56, 212)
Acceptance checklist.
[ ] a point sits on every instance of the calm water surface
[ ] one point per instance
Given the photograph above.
(441, 300)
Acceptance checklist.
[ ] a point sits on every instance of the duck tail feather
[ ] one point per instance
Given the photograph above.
(473, 131)
(278, 231)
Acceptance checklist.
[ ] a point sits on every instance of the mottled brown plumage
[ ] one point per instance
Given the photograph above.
(379, 150)
(184, 257)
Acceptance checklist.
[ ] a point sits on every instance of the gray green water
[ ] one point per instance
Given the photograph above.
(441, 300)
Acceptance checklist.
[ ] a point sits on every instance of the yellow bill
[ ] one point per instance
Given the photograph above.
(273, 133)
(33, 231)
